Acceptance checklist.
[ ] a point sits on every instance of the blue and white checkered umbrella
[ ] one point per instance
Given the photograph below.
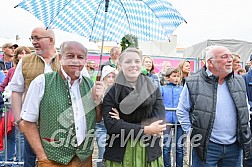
(145, 19)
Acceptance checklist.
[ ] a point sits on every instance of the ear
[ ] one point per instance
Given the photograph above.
(167, 79)
(210, 62)
(60, 59)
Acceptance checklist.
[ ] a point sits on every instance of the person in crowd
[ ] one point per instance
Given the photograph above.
(108, 79)
(184, 68)
(8, 53)
(241, 71)
(133, 111)
(236, 62)
(213, 106)
(65, 102)
(13, 137)
(114, 54)
(162, 73)
(184, 71)
(248, 81)
(247, 66)
(44, 60)
(2, 76)
(148, 64)
(19, 52)
(91, 68)
(170, 94)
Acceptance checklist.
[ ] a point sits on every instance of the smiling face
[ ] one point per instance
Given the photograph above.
(147, 62)
(73, 57)
(130, 64)
(221, 62)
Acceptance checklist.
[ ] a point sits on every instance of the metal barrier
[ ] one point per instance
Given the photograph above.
(7, 106)
(175, 137)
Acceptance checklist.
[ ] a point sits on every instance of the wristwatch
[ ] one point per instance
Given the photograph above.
(18, 121)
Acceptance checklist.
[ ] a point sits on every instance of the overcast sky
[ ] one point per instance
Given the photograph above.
(206, 19)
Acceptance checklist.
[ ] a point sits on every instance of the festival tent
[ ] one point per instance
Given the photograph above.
(243, 48)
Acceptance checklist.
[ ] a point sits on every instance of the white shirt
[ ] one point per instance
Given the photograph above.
(30, 109)
(17, 82)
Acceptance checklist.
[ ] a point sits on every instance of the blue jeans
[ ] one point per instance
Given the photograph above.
(19, 148)
(29, 155)
(100, 132)
(10, 146)
(219, 155)
(13, 147)
(167, 147)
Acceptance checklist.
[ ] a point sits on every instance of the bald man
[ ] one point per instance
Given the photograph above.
(44, 60)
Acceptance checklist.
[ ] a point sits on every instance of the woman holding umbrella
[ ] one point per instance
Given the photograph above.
(133, 113)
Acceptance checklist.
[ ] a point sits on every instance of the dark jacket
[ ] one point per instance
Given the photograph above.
(203, 95)
(5, 66)
(248, 81)
(109, 62)
(152, 109)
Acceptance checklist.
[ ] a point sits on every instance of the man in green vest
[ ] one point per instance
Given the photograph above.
(63, 103)
(44, 60)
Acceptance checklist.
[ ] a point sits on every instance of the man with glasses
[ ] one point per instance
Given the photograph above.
(213, 103)
(6, 60)
(44, 60)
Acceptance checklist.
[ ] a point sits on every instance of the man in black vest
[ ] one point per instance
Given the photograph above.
(213, 106)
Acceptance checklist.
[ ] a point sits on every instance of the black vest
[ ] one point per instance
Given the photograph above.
(203, 95)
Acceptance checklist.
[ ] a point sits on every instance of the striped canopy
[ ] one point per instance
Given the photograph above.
(145, 19)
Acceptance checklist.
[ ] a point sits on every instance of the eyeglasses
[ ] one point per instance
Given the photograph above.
(36, 38)
(225, 56)
(10, 47)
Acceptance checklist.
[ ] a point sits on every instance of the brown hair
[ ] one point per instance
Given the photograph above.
(241, 70)
(171, 70)
(152, 64)
(17, 52)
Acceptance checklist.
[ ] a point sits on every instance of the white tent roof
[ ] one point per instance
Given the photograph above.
(243, 48)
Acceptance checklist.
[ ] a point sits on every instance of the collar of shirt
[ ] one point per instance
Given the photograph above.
(209, 73)
(68, 78)
(42, 58)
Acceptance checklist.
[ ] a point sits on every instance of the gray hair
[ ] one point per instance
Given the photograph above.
(208, 52)
(65, 44)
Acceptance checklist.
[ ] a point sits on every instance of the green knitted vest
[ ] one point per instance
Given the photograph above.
(56, 120)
